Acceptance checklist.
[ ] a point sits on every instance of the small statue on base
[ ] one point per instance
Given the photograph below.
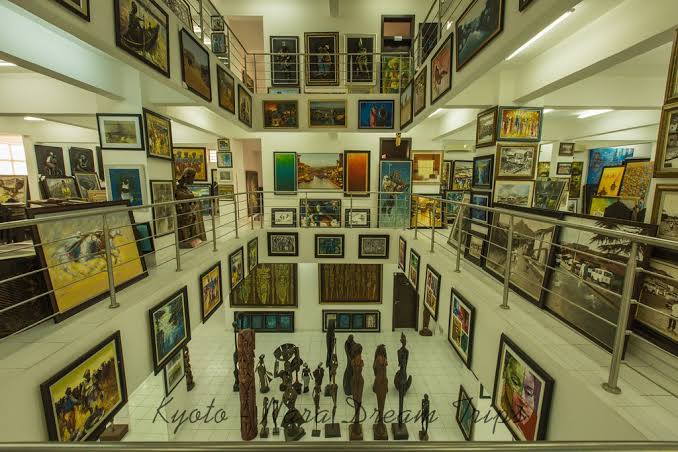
(190, 224)
(265, 376)
(402, 382)
(264, 419)
(332, 429)
(357, 384)
(190, 383)
(330, 342)
(306, 377)
(296, 364)
(380, 388)
(348, 373)
(248, 394)
(425, 415)
(293, 419)
(318, 374)
(274, 416)
(427, 318)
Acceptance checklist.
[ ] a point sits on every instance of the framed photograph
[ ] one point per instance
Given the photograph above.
(14, 189)
(611, 180)
(357, 218)
(394, 72)
(350, 283)
(327, 113)
(566, 149)
(441, 70)
(244, 106)
(395, 185)
(461, 327)
(147, 41)
(195, 158)
(195, 66)
(252, 253)
(211, 293)
(174, 372)
(280, 114)
(329, 246)
(50, 160)
(465, 415)
(427, 167)
(666, 160)
(158, 131)
(163, 218)
(388, 150)
(284, 60)
(486, 128)
(419, 95)
(672, 80)
(432, 291)
(564, 168)
(480, 198)
(406, 106)
(518, 375)
(170, 327)
(474, 249)
(522, 124)
(482, 172)
(402, 253)
(413, 269)
(322, 68)
(284, 217)
(126, 183)
(376, 114)
(320, 171)
(515, 193)
(516, 161)
(373, 246)
(477, 26)
(360, 67)
(543, 169)
(423, 209)
(636, 181)
(548, 193)
(120, 132)
(55, 187)
(357, 173)
(267, 286)
(219, 43)
(82, 160)
(85, 181)
(320, 213)
(236, 267)
(225, 91)
(68, 416)
(79, 7)
(285, 172)
(283, 244)
(462, 175)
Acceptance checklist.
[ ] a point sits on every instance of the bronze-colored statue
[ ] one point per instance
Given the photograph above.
(248, 395)
(425, 415)
(283, 354)
(274, 415)
(402, 382)
(330, 341)
(293, 419)
(427, 319)
(348, 373)
(306, 377)
(265, 376)
(380, 388)
(318, 375)
(332, 429)
(190, 224)
(264, 419)
(190, 383)
(296, 364)
(357, 384)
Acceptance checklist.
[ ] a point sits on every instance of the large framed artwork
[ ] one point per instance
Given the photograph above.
(672, 79)
(74, 258)
(465, 414)
(666, 160)
(225, 90)
(244, 106)
(120, 132)
(195, 66)
(163, 216)
(236, 267)
(665, 215)
(548, 193)
(357, 218)
(394, 73)
(513, 192)
(252, 253)
(50, 160)
(462, 175)
(376, 114)
(283, 114)
(170, 327)
(388, 150)
(126, 183)
(322, 68)
(522, 392)
(283, 244)
(329, 246)
(141, 29)
(636, 181)
(79, 7)
(284, 60)
(406, 106)
(460, 328)
(516, 161)
(211, 293)
(350, 283)
(195, 158)
(327, 113)
(360, 67)
(479, 24)
(320, 171)
(413, 269)
(427, 167)
(486, 128)
(82, 160)
(158, 129)
(395, 185)
(267, 285)
(14, 189)
(610, 181)
(59, 187)
(283, 217)
(373, 246)
(352, 321)
(69, 410)
(441, 71)
(655, 319)
(356, 173)
(284, 172)
(265, 322)
(320, 213)
(423, 211)
(522, 124)
(174, 372)
(432, 291)
(482, 172)
(402, 253)
(419, 96)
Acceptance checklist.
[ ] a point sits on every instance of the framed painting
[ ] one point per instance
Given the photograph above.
(521, 124)
(81, 159)
(522, 392)
(452, 209)
(389, 150)
(244, 106)
(329, 246)
(402, 253)
(432, 291)
(480, 198)
(423, 210)
(636, 181)
(352, 321)
(236, 267)
(320, 171)
(427, 167)
(222, 176)
(187, 157)
(376, 114)
(283, 244)
(360, 67)
(284, 217)
(142, 30)
(223, 145)
(195, 66)
(322, 65)
(280, 114)
(413, 269)
(55, 187)
(445, 176)
(406, 106)
(252, 253)
(224, 159)
(395, 70)
(515, 193)
(284, 60)
(265, 322)
(327, 113)
(665, 212)
(14, 189)
(419, 95)
(373, 246)
(482, 172)
(85, 181)
(356, 173)
(548, 193)
(564, 168)
(211, 293)
(475, 249)
(79, 7)
(120, 132)
(441, 70)
(573, 205)
(226, 192)
(395, 186)
(357, 218)
(268, 285)
(610, 181)
(126, 183)
(225, 90)
(350, 283)
(100, 162)
(170, 327)
(158, 131)
(217, 23)
(672, 79)
(50, 160)
(486, 128)
(219, 43)
(516, 161)
(462, 175)
(163, 216)
(666, 160)
(68, 410)
(477, 26)
(566, 149)
(599, 158)
(144, 235)
(285, 172)
(543, 169)
(465, 414)
(320, 213)
(174, 372)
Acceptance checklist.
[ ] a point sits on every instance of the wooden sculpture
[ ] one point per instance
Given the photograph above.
(348, 373)
(357, 384)
(380, 388)
(402, 382)
(188, 371)
(247, 383)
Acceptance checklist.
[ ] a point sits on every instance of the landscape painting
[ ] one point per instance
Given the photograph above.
(516, 193)
(548, 193)
(320, 171)
(141, 29)
(170, 327)
(516, 162)
(195, 66)
(486, 128)
(479, 24)
(462, 175)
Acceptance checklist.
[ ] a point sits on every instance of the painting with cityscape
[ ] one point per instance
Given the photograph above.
(395, 182)
(659, 292)
(462, 175)
(548, 193)
(319, 171)
(516, 162)
(320, 213)
(516, 193)
(423, 211)
(589, 274)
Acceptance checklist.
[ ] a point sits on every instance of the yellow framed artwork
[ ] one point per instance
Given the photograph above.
(195, 158)
(610, 181)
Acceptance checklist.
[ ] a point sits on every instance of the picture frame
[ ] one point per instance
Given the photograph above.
(413, 269)
(174, 372)
(265, 322)
(357, 218)
(329, 246)
(236, 267)
(548, 193)
(219, 43)
(480, 198)
(452, 210)
(357, 173)
(226, 192)
(441, 70)
(284, 217)
(469, 23)
(268, 286)
(566, 149)
(282, 90)
(360, 60)
(461, 326)
(564, 168)
(611, 180)
(427, 167)
(395, 69)
(483, 172)
(50, 160)
(666, 158)
(14, 189)
(322, 213)
(222, 176)
(516, 161)
(320, 171)
(350, 283)
(672, 79)
(100, 162)
(530, 120)
(217, 23)
(376, 114)
(144, 234)
(126, 183)
(122, 132)
(163, 218)
(284, 61)
(318, 71)
(195, 65)
(486, 127)
(224, 159)
(419, 95)
(373, 246)
(395, 178)
(284, 172)
(465, 414)
(158, 134)
(664, 212)
(475, 247)
(225, 93)
(280, 114)
(432, 291)
(153, 45)
(543, 169)
(190, 157)
(211, 291)
(461, 175)
(81, 160)
(59, 187)
(513, 192)
(636, 181)
(406, 116)
(78, 7)
(402, 253)
(327, 114)
(178, 331)
(424, 207)
(353, 320)
(85, 182)
(252, 254)
(223, 145)
(389, 151)
(283, 244)
(244, 106)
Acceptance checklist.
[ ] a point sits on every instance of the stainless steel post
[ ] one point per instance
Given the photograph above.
(109, 263)
(261, 210)
(460, 221)
(202, 24)
(350, 214)
(440, 21)
(215, 203)
(433, 227)
(237, 215)
(622, 322)
(176, 236)
(416, 219)
(256, 76)
(248, 211)
(507, 269)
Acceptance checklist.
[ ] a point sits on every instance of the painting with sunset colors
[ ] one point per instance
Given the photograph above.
(357, 173)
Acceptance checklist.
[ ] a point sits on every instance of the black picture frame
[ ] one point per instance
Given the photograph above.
(333, 53)
(410, 87)
(459, 32)
(257, 320)
(140, 146)
(463, 395)
(160, 362)
(184, 34)
(447, 42)
(294, 235)
(240, 251)
(361, 251)
(79, 12)
(420, 80)
(165, 378)
(293, 61)
(252, 245)
(244, 96)
(146, 113)
(523, 4)
(475, 182)
(429, 268)
(100, 163)
(468, 360)
(74, 153)
(353, 321)
(57, 167)
(494, 111)
(224, 82)
(291, 210)
(347, 218)
(206, 315)
(320, 237)
(415, 284)
(402, 247)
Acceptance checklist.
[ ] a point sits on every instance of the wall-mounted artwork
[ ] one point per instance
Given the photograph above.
(327, 113)
(462, 175)
(195, 158)
(82, 160)
(426, 212)
(126, 183)
(548, 193)
(50, 160)
(475, 249)
(637, 178)
(195, 65)
(223, 144)
(320, 213)
(283, 217)
(244, 106)
(566, 149)
(658, 299)
(226, 192)
(610, 181)
(353, 321)
(265, 322)
(388, 150)
(480, 198)
(329, 246)
(224, 159)
(483, 172)
(267, 285)
(226, 90)
(69, 409)
(373, 246)
(427, 167)
(376, 114)
(360, 49)
(564, 168)
(163, 219)
(665, 212)
(413, 269)
(465, 414)
(320, 171)
(514, 192)
(211, 294)
(120, 132)
(672, 79)
(666, 161)
(254, 198)
(520, 124)
(357, 218)
(486, 128)
(432, 291)
(284, 172)
(284, 60)
(59, 187)
(14, 189)
(357, 173)
(406, 106)
(158, 129)
(283, 244)
(219, 43)
(543, 169)
(174, 372)
(394, 73)
(601, 157)
(516, 162)
(170, 327)
(451, 209)
(322, 68)
(441, 70)
(85, 181)
(236, 267)
(79, 7)
(479, 24)
(252, 253)
(402, 253)
(419, 99)
(141, 29)
(280, 114)
(395, 185)
(350, 283)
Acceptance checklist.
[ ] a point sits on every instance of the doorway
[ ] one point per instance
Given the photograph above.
(405, 303)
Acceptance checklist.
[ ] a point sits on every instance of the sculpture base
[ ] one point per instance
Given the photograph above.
(425, 332)
(380, 432)
(355, 432)
(294, 434)
(115, 432)
(423, 436)
(400, 432)
(332, 431)
(263, 433)
(315, 433)
(264, 390)
(276, 431)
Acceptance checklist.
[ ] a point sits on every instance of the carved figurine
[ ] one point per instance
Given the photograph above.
(236, 386)
(427, 319)
(357, 384)
(402, 382)
(283, 354)
(274, 416)
(264, 376)
(380, 388)
(348, 373)
(293, 419)
(318, 375)
(425, 415)
(264, 419)
(190, 383)
(306, 377)
(248, 395)
(190, 225)
(332, 429)
(330, 341)
(296, 364)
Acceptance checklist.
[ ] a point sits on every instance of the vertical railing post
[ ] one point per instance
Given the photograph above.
(460, 220)
(248, 211)
(507, 268)
(202, 23)
(109, 262)
(256, 76)
(350, 214)
(416, 219)
(440, 20)
(261, 210)
(176, 236)
(237, 214)
(433, 226)
(215, 203)
(622, 321)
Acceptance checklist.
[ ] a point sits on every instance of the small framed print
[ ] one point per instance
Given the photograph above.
(402, 250)
(284, 217)
(283, 244)
(217, 23)
(224, 159)
(174, 372)
(564, 168)
(357, 218)
(120, 132)
(329, 246)
(223, 144)
(486, 128)
(566, 149)
(373, 246)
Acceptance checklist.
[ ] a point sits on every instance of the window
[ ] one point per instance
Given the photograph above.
(213, 156)
(12, 156)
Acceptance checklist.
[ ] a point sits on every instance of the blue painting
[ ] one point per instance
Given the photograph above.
(602, 157)
(344, 321)
(330, 246)
(170, 329)
(395, 183)
(285, 322)
(224, 159)
(452, 209)
(271, 321)
(375, 114)
(257, 322)
(358, 321)
(127, 184)
(479, 200)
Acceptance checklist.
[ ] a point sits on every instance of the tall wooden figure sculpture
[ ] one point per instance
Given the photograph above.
(402, 382)
(348, 373)
(380, 388)
(357, 384)
(332, 429)
(248, 385)
(330, 341)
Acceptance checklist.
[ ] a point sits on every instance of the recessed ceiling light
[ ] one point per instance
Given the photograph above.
(548, 110)
(437, 112)
(6, 63)
(539, 35)
(589, 113)
(32, 118)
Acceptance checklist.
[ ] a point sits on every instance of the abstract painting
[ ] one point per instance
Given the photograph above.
(451, 209)
(610, 181)
(402, 253)
(141, 29)
(195, 66)
(267, 285)
(637, 178)
(357, 173)
(395, 71)
(211, 294)
(373, 246)
(224, 159)
(252, 253)
(432, 291)
(236, 267)
(170, 327)
(320, 171)
(427, 167)
(601, 157)
(465, 414)
(350, 283)
(284, 172)
(413, 269)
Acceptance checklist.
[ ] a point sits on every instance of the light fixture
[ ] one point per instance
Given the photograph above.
(536, 37)
(548, 110)
(589, 113)
(196, 29)
(32, 118)
(437, 112)
(449, 24)
(6, 63)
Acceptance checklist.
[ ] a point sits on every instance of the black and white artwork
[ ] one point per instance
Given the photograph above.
(82, 160)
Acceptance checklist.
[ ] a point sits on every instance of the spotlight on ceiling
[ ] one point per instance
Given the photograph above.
(32, 118)
(541, 34)
(590, 113)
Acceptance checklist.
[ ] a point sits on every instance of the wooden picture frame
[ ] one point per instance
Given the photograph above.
(484, 129)
(156, 121)
(185, 38)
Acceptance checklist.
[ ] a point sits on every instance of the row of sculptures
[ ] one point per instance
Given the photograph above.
(289, 364)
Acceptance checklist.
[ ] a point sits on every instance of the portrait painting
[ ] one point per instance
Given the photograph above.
(195, 66)
(283, 244)
(419, 95)
(373, 246)
(360, 49)
(350, 283)
(402, 253)
(462, 175)
(406, 106)
(479, 24)
(252, 253)
(395, 186)
(195, 158)
(85, 181)
(284, 172)
(395, 70)
(516, 162)
(427, 167)
(460, 327)
(483, 172)
(225, 90)
(282, 114)
(158, 129)
(14, 189)
(516, 193)
(637, 178)
(211, 295)
(329, 246)
(486, 128)
(170, 327)
(413, 269)
(283, 217)
(566, 149)
(465, 414)
(432, 291)
(82, 160)
(163, 218)
(327, 113)
(174, 372)
(441, 71)
(50, 160)
(610, 181)
(320, 171)
(126, 183)
(244, 106)
(376, 114)
(141, 29)
(322, 67)
(357, 173)
(357, 218)
(521, 124)
(284, 60)
(426, 212)
(120, 132)
(320, 213)
(267, 285)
